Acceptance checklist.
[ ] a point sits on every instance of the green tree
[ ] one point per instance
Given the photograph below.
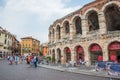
(53, 59)
(48, 58)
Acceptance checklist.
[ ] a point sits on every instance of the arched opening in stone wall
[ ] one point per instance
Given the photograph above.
(58, 32)
(53, 33)
(50, 52)
(93, 22)
(50, 36)
(78, 25)
(59, 55)
(114, 51)
(67, 54)
(66, 27)
(79, 54)
(112, 15)
(96, 53)
(53, 56)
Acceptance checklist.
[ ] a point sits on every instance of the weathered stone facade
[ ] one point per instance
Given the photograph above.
(87, 33)
(8, 43)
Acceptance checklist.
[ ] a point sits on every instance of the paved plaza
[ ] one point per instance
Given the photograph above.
(24, 72)
(82, 70)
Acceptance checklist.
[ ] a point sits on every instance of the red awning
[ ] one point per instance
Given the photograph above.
(114, 46)
(67, 50)
(95, 47)
(79, 50)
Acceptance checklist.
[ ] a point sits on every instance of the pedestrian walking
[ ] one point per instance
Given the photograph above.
(80, 60)
(16, 59)
(35, 61)
(10, 60)
(22, 58)
(8, 57)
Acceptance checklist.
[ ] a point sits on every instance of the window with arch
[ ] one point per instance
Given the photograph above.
(59, 55)
(58, 31)
(67, 30)
(53, 32)
(78, 25)
(93, 22)
(112, 15)
(50, 35)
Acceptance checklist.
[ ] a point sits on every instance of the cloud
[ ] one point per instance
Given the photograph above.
(32, 17)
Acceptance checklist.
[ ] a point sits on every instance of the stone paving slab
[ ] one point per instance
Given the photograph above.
(92, 72)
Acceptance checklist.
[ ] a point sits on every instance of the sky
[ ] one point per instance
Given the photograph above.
(25, 18)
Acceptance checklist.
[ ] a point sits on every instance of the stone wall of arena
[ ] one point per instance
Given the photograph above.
(101, 37)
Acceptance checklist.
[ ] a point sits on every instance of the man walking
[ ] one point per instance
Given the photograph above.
(35, 61)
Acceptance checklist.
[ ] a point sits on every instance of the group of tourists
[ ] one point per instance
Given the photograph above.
(15, 59)
(32, 60)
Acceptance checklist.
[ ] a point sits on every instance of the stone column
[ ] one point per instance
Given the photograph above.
(62, 57)
(87, 57)
(72, 54)
(56, 58)
(72, 30)
(84, 26)
(55, 36)
(102, 22)
(49, 37)
(105, 53)
(62, 32)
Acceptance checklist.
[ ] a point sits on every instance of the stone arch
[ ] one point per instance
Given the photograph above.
(77, 24)
(53, 55)
(51, 29)
(110, 3)
(63, 30)
(89, 10)
(73, 18)
(59, 55)
(79, 53)
(114, 51)
(50, 35)
(58, 24)
(86, 15)
(67, 54)
(66, 27)
(93, 23)
(96, 53)
(53, 33)
(62, 24)
(58, 32)
(50, 52)
(111, 12)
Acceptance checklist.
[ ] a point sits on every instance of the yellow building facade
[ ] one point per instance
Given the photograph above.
(29, 45)
(5, 42)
